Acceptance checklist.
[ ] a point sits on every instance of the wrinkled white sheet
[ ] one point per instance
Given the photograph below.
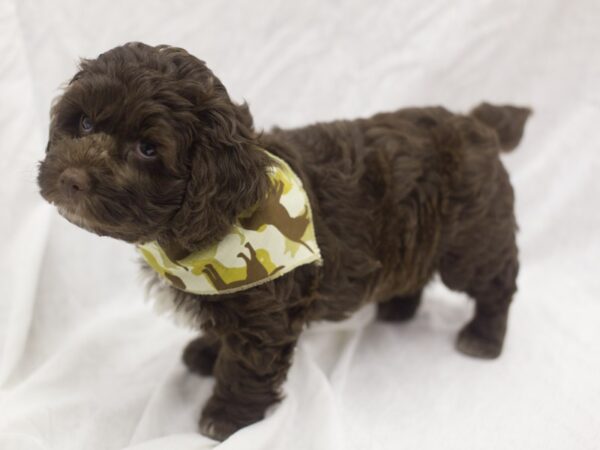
(86, 364)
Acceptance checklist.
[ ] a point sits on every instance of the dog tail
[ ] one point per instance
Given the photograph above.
(507, 121)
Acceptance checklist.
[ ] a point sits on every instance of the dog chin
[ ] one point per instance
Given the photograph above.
(95, 227)
(79, 220)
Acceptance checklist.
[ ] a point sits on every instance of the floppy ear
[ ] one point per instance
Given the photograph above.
(228, 173)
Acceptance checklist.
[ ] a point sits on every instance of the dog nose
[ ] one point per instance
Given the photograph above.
(74, 181)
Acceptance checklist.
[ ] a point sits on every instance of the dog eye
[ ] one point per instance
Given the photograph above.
(86, 124)
(147, 150)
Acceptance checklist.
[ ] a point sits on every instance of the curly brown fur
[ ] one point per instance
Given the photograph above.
(396, 198)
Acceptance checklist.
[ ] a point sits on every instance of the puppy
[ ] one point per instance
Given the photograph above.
(146, 146)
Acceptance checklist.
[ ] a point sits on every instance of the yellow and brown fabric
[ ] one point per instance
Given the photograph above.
(271, 239)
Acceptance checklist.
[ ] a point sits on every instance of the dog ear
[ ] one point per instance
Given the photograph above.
(228, 173)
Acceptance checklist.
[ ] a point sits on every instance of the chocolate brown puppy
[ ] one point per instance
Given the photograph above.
(146, 146)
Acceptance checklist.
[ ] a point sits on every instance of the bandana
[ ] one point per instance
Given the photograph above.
(269, 240)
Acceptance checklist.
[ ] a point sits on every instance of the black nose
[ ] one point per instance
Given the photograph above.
(74, 181)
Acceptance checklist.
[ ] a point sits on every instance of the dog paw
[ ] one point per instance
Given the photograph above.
(200, 355)
(218, 429)
(221, 418)
(471, 343)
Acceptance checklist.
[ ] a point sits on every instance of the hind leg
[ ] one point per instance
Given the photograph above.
(483, 263)
(399, 308)
(483, 336)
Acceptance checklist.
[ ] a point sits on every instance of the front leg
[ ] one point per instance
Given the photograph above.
(249, 373)
(201, 354)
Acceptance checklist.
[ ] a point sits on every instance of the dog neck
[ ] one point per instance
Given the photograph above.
(173, 248)
(207, 215)
(267, 240)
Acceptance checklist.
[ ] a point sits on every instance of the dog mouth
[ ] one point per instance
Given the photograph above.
(76, 210)
(76, 205)
(77, 216)
(105, 209)
(81, 214)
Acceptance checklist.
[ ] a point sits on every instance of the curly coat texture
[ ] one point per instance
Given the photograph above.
(396, 198)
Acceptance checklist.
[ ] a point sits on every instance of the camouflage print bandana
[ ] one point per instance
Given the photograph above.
(271, 239)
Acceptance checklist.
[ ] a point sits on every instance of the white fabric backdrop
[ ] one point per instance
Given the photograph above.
(86, 364)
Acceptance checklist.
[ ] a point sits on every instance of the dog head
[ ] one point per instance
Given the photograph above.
(145, 144)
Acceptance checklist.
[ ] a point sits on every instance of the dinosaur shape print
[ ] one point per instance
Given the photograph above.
(255, 272)
(272, 212)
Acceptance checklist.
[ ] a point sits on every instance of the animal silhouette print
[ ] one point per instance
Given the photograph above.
(255, 272)
(176, 281)
(272, 212)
